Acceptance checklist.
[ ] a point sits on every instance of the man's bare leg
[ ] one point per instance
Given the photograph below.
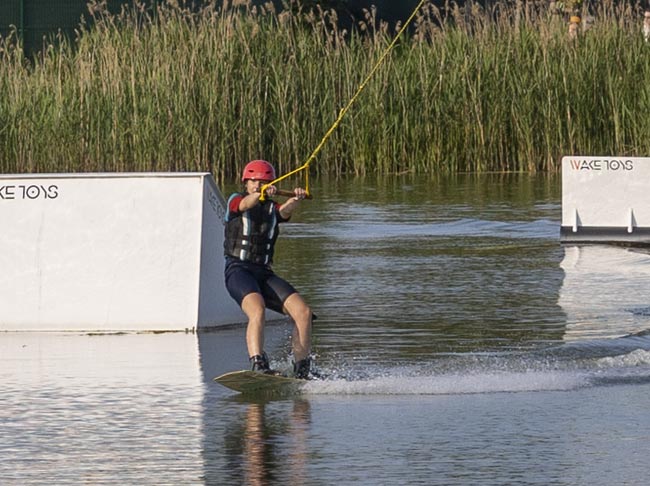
(301, 314)
(253, 307)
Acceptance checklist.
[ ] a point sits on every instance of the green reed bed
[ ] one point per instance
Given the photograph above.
(467, 90)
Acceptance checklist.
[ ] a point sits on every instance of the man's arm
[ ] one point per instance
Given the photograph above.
(253, 199)
(286, 210)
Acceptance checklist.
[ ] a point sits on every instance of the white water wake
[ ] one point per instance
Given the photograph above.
(638, 357)
(608, 370)
(453, 384)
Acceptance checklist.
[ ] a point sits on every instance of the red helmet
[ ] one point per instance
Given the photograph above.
(259, 170)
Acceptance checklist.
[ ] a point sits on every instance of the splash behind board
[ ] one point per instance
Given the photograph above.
(251, 382)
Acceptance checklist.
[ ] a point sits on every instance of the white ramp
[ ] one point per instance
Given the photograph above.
(112, 252)
(605, 200)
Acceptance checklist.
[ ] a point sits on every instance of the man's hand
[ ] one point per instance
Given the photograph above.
(300, 193)
(270, 191)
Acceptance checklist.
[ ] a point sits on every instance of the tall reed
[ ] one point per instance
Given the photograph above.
(469, 89)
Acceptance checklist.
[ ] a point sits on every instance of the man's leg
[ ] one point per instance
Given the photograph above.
(301, 314)
(253, 307)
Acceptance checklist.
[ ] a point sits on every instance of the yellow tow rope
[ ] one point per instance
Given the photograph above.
(342, 113)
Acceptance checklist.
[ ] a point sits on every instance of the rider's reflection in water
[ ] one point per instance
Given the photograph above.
(270, 444)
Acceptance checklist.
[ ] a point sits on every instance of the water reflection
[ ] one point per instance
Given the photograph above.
(268, 443)
(605, 292)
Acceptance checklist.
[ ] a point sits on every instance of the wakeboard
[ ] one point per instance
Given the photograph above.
(252, 382)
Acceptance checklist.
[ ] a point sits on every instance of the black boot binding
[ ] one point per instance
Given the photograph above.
(301, 369)
(261, 363)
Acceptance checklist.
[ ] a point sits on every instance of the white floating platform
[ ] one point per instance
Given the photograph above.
(112, 252)
(606, 200)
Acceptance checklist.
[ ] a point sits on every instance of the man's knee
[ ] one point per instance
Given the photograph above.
(304, 315)
(253, 306)
(297, 308)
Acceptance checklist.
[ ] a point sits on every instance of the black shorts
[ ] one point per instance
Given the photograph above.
(243, 278)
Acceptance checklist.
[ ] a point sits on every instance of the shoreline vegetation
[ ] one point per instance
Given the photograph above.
(466, 90)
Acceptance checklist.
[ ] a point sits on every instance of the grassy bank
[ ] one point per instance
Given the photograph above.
(467, 91)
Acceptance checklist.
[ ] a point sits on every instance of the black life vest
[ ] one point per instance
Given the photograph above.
(250, 236)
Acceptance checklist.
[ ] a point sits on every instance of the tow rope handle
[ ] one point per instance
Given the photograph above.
(281, 192)
(288, 193)
(345, 109)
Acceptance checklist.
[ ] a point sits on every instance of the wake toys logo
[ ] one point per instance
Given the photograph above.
(216, 205)
(602, 164)
(30, 192)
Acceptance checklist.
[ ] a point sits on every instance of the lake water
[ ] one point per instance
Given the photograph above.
(462, 344)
